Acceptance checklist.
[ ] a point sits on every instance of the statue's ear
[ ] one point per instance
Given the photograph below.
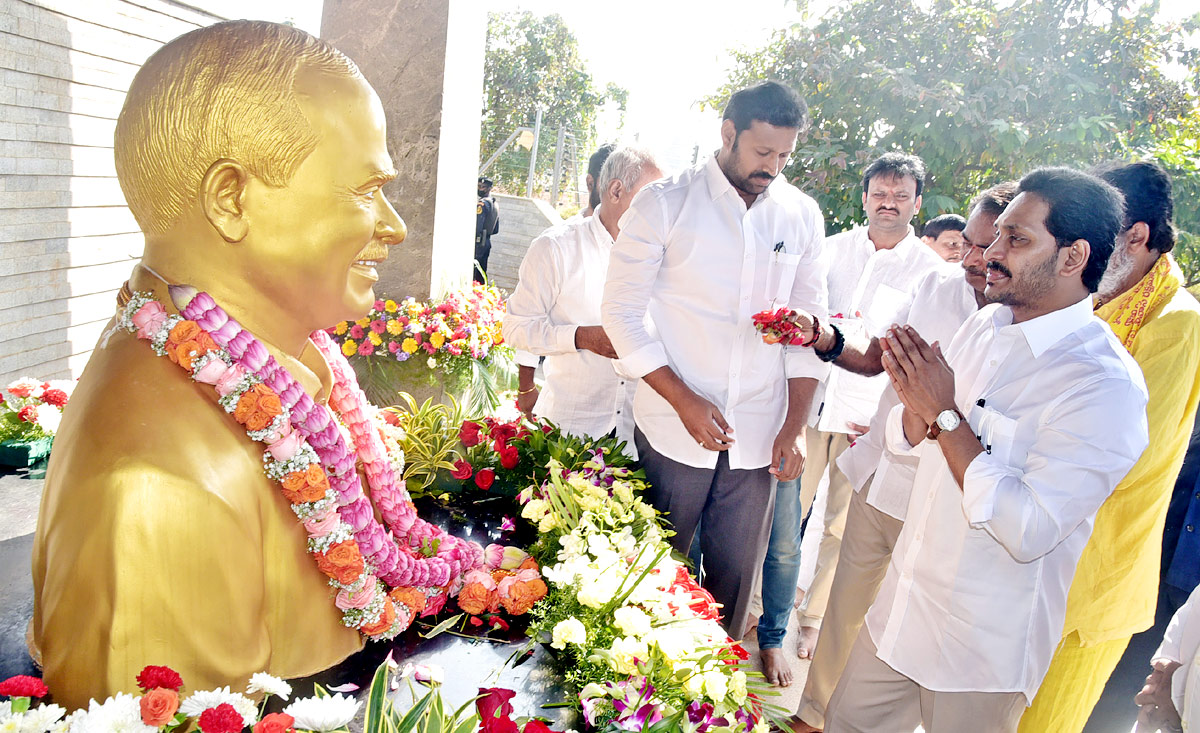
(222, 193)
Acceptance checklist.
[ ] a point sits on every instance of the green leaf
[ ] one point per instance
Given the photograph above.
(377, 703)
(448, 623)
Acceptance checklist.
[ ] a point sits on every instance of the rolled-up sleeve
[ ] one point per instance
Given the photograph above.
(528, 326)
(810, 293)
(894, 439)
(633, 267)
(1068, 472)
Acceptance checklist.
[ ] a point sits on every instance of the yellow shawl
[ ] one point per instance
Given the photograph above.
(1126, 313)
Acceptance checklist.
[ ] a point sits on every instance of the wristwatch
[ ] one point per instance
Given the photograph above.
(946, 421)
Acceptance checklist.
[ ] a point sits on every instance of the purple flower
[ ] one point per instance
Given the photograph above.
(507, 524)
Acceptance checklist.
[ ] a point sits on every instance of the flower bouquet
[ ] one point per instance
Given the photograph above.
(784, 326)
(29, 418)
(451, 345)
(637, 637)
(161, 706)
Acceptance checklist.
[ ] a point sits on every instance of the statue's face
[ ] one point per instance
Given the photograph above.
(316, 241)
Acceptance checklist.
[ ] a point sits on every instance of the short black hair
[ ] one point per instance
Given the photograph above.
(595, 165)
(1082, 206)
(1147, 191)
(995, 200)
(944, 223)
(770, 102)
(896, 165)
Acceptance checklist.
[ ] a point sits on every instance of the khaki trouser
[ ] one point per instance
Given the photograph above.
(874, 698)
(823, 451)
(866, 549)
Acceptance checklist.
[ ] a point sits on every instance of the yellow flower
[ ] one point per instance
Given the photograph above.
(394, 327)
(390, 306)
(341, 328)
(375, 338)
(349, 348)
(364, 321)
(409, 345)
(437, 340)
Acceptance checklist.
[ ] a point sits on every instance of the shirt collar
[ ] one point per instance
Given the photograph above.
(596, 227)
(1045, 331)
(719, 185)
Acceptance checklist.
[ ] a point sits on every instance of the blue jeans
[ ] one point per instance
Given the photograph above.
(781, 568)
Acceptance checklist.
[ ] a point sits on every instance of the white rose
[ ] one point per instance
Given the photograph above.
(568, 631)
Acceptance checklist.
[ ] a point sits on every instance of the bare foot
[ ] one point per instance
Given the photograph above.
(776, 668)
(796, 725)
(808, 642)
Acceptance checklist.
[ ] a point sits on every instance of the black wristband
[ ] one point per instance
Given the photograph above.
(839, 343)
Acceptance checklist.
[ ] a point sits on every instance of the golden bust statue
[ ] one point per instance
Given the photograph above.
(252, 156)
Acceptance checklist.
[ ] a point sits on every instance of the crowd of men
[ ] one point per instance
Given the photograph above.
(996, 412)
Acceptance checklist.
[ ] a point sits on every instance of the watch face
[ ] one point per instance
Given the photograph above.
(948, 420)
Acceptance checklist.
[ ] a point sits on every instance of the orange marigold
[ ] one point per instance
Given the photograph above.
(301, 487)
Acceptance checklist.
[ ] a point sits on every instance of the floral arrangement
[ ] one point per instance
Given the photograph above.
(161, 706)
(381, 578)
(451, 338)
(638, 638)
(784, 326)
(449, 455)
(32, 409)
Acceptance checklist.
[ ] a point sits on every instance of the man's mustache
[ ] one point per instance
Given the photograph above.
(993, 265)
(763, 176)
(976, 271)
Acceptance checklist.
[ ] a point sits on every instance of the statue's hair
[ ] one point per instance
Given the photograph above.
(224, 91)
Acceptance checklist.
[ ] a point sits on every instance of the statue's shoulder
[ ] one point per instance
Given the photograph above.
(137, 419)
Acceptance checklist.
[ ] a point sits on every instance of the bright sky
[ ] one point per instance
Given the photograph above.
(667, 53)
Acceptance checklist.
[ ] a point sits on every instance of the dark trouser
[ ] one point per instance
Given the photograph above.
(733, 509)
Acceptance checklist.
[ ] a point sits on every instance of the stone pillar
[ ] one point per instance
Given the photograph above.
(425, 59)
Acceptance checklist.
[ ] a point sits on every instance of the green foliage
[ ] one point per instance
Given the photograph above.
(430, 437)
(427, 715)
(983, 91)
(534, 62)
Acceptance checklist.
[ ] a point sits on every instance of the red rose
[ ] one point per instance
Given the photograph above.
(468, 435)
(158, 706)
(536, 726)
(494, 701)
(28, 413)
(151, 677)
(509, 457)
(502, 433)
(224, 718)
(275, 723)
(55, 397)
(503, 724)
(23, 686)
(484, 478)
(499, 623)
(462, 470)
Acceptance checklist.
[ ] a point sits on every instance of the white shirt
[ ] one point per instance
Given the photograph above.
(869, 290)
(939, 303)
(692, 256)
(559, 289)
(976, 590)
(1181, 644)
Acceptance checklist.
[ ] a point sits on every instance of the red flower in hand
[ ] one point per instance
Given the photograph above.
(151, 677)
(23, 686)
(469, 435)
(484, 478)
(224, 718)
(509, 457)
(462, 470)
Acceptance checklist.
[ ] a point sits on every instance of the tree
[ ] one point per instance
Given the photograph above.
(534, 62)
(983, 91)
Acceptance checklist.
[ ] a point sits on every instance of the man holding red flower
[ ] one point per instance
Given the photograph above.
(698, 255)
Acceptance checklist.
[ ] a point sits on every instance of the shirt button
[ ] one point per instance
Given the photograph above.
(920, 537)
(1191, 528)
